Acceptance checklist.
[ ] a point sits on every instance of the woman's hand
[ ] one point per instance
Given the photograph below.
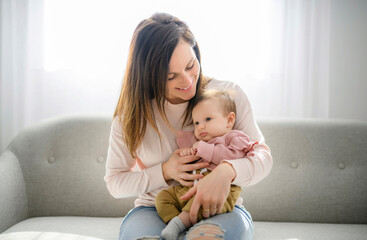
(211, 192)
(179, 168)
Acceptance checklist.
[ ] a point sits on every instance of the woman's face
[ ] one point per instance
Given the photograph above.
(183, 74)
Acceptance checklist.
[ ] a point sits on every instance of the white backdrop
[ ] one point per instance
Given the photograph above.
(68, 56)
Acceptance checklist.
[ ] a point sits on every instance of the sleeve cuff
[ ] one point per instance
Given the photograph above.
(205, 151)
(244, 176)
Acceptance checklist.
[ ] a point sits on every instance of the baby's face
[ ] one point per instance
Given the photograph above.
(209, 120)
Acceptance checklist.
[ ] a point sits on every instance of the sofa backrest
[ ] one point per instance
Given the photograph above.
(63, 163)
(319, 172)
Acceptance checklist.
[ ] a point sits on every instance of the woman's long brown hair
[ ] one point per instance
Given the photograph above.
(146, 75)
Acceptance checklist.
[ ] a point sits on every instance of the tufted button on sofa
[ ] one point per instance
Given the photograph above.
(52, 187)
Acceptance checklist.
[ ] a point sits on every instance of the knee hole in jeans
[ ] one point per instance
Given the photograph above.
(205, 230)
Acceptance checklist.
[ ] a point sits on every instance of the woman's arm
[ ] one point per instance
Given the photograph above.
(258, 162)
(120, 179)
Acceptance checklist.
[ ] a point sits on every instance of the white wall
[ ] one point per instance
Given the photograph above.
(348, 59)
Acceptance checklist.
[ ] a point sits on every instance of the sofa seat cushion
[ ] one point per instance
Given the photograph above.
(310, 231)
(97, 228)
(78, 228)
(44, 236)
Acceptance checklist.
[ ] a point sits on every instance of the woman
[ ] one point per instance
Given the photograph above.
(162, 80)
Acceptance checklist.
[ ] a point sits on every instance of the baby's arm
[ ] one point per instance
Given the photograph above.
(235, 146)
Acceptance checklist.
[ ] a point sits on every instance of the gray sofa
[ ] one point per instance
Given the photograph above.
(51, 182)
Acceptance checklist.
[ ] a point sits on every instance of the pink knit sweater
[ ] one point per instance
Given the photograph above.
(232, 145)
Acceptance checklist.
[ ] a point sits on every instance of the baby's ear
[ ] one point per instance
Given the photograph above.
(231, 119)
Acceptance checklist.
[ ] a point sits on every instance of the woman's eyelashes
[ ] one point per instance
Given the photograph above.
(171, 78)
(188, 68)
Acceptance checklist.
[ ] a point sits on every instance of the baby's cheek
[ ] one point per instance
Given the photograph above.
(196, 134)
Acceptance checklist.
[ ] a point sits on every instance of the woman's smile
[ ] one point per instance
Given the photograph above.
(186, 89)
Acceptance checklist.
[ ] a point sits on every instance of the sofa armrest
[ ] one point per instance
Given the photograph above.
(13, 198)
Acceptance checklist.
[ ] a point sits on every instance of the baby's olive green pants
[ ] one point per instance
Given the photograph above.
(169, 204)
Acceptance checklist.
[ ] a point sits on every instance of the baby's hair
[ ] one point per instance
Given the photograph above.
(226, 96)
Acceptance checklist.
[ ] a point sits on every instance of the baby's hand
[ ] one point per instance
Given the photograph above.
(187, 152)
(195, 146)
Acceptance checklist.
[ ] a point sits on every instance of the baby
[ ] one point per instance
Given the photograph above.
(214, 140)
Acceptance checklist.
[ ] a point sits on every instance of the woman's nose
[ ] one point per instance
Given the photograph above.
(186, 79)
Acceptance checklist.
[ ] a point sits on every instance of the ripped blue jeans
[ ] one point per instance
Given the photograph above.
(143, 222)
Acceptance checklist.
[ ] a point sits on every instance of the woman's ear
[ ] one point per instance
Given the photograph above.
(231, 119)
